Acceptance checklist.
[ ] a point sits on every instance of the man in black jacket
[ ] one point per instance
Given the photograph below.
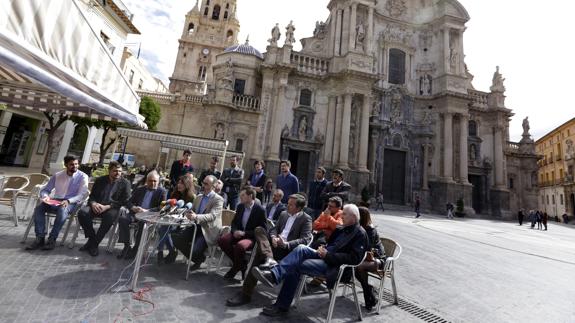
(337, 187)
(212, 170)
(145, 198)
(109, 193)
(232, 179)
(346, 246)
(249, 216)
(316, 187)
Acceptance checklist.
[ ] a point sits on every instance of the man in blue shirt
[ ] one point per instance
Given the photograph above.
(286, 181)
(70, 187)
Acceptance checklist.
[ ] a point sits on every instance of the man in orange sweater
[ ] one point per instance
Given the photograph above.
(326, 223)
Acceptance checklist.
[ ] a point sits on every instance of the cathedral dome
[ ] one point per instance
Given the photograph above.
(246, 49)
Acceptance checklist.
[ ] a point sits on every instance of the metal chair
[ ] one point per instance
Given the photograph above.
(333, 293)
(78, 227)
(32, 190)
(393, 249)
(12, 187)
(227, 218)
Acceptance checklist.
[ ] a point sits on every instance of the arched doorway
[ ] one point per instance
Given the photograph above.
(573, 204)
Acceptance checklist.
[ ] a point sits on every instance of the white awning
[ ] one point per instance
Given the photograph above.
(52, 60)
(167, 138)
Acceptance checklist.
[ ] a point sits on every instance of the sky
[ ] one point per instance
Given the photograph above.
(529, 39)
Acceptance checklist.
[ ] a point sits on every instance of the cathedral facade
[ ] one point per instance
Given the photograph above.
(380, 90)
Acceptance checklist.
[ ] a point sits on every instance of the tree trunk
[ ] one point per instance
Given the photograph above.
(104, 147)
(49, 144)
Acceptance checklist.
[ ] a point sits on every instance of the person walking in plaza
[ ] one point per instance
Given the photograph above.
(109, 193)
(520, 216)
(180, 168)
(286, 181)
(70, 187)
(539, 219)
(337, 187)
(257, 179)
(249, 216)
(532, 218)
(450, 208)
(212, 170)
(316, 187)
(207, 215)
(144, 198)
(417, 205)
(232, 178)
(544, 219)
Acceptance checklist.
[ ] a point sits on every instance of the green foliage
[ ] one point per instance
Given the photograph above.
(459, 206)
(150, 109)
(365, 194)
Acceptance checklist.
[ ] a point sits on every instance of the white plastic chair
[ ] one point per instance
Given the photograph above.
(32, 190)
(393, 249)
(12, 187)
(333, 293)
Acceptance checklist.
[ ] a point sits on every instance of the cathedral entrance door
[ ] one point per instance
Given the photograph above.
(394, 177)
(476, 202)
(300, 166)
(573, 204)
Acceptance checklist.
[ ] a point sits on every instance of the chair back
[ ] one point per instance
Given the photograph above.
(13, 185)
(228, 217)
(35, 179)
(90, 185)
(391, 248)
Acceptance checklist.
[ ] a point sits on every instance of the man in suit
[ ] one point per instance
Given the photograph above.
(249, 216)
(337, 187)
(145, 198)
(314, 194)
(293, 228)
(276, 207)
(109, 193)
(232, 179)
(212, 170)
(257, 179)
(207, 214)
(181, 168)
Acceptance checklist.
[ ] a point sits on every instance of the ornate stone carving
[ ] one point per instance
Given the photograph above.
(396, 107)
(359, 36)
(425, 84)
(290, 38)
(276, 34)
(302, 128)
(220, 131)
(426, 40)
(320, 30)
(398, 34)
(285, 131)
(525, 126)
(396, 8)
(497, 82)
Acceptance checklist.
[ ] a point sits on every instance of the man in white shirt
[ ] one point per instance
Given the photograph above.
(70, 187)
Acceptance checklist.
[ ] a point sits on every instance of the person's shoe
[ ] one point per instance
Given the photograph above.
(316, 282)
(238, 300)
(93, 251)
(50, 245)
(231, 274)
(132, 253)
(160, 257)
(195, 266)
(86, 246)
(264, 276)
(171, 257)
(124, 253)
(37, 244)
(273, 311)
(269, 263)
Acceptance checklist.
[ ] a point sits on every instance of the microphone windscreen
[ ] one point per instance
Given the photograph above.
(172, 202)
(189, 205)
(180, 204)
(163, 203)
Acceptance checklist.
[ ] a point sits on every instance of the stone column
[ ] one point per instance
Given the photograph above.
(463, 154)
(337, 130)
(338, 28)
(369, 38)
(372, 155)
(92, 131)
(278, 125)
(352, 24)
(498, 154)
(332, 30)
(330, 131)
(345, 128)
(448, 146)
(424, 181)
(364, 136)
(446, 49)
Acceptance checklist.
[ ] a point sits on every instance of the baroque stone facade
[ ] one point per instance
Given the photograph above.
(380, 89)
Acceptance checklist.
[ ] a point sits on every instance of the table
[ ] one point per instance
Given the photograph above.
(153, 219)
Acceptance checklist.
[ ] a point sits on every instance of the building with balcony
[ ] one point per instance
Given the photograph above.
(556, 170)
(380, 90)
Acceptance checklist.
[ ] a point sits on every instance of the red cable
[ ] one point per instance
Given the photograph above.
(138, 295)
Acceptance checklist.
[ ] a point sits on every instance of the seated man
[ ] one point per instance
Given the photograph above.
(109, 193)
(327, 222)
(70, 187)
(293, 228)
(346, 246)
(208, 206)
(144, 198)
(249, 216)
(276, 207)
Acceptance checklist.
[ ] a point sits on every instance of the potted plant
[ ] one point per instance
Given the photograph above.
(459, 208)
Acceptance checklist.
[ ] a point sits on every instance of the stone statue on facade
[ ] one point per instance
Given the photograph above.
(497, 82)
(276, 34)
(526, 127)
(453, 59)
(359, 36)
(290, 38)
(227, 81)
(302, 129)
(220, 132)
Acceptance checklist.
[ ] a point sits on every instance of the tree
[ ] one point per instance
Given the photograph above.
(151, 110)
(54, 121)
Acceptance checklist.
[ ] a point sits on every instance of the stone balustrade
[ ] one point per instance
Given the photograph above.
(194, 98)
(512, 146)
(158, 96)
(310, 64)
(480, 99)
(246, 102)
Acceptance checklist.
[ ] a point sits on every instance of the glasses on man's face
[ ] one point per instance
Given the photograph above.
(206, 183)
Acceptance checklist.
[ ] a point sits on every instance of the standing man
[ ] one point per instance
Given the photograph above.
(249, 216)
(207, 214)
(181, 168)
(316, 187)
(337, 187)
(276, 207)
(212, 170)
(286, 181)
(417, 205)
(70, 187)
(145, 198)
(520, 216)
(109, 193)
(232, 179)
(257, 179)
(450, 208)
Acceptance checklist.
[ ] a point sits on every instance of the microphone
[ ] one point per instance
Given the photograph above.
(179, 204)
(167, 206)
(183, 208)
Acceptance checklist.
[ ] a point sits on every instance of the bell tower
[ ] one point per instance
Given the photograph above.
(210, 27)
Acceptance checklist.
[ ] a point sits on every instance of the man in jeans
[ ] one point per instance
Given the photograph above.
(70, 187)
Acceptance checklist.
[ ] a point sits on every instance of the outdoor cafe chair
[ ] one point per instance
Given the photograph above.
(32, 190)
(393, 250)
(13, 185)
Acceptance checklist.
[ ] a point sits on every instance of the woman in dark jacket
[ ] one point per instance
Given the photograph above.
(372, 265)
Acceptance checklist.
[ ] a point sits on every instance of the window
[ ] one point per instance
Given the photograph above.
(239, 86)
(216, 12)
(305, 97)
(225, 15)
(191, 28)
(140, 84)
(202, 73)
(230, 36)
(472, 128)
(559, 153)
(552, 199)
(553, 176)
(206, 11)
(239, 144)
(107, 42)
(561, 198)
(542, 199)
(510, 183)
(547, 199)
(396, 66)
(561, 174)
(396, 141)
(131, 76)
(207, 2)
(227, 6)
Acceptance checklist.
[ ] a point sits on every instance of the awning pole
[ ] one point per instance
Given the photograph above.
(159, 156)
(242, 162)
(224, 157)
